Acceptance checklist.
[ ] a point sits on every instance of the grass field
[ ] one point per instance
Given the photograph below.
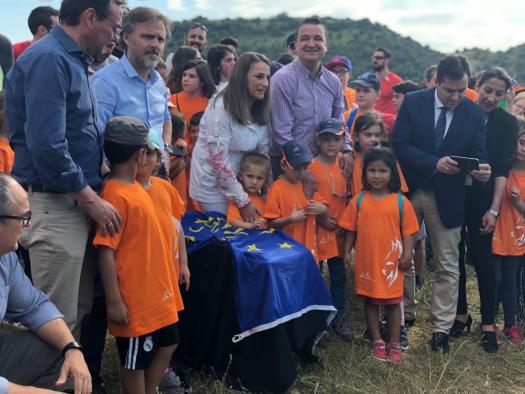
(348, 368)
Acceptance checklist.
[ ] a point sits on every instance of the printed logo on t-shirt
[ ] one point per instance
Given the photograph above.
(391, 271)
(148, 344)
(518, 234)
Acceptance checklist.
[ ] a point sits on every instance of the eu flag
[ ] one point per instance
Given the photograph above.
(276, 278)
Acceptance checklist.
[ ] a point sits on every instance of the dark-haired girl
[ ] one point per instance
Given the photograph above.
(381, 223)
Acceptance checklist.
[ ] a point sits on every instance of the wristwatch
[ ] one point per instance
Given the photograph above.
(70, 346)
(493, 212)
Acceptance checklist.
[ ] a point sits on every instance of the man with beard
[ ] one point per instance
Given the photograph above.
(380, 63)
(197, 37)
(131, 86)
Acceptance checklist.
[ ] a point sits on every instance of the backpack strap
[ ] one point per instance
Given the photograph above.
(359, 200)
(400, 205)
(351, 119)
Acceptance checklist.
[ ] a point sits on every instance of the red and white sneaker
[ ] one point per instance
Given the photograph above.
(395, 353)
(513, 334)
(379, 350)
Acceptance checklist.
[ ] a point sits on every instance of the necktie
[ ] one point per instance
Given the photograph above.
(441, 125)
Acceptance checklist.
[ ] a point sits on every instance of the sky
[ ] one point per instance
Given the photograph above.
(444, 25)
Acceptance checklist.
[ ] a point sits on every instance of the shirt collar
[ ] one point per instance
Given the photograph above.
(437, 102)
(132, 73)
(305, 72)
(69, 44)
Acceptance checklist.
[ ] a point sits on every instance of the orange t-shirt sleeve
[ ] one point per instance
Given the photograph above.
(348, 219)
(272, 209)
(177, 203)
(404, 185)
(410, 225)
(233, 212)
(4, 165)
(113, 242)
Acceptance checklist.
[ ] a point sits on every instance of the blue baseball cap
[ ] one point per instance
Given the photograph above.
(331, 126)
(368, 80)
(296, 154)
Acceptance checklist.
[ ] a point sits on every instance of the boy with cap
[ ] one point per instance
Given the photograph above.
(287, 207)
(342, 67)
(367, 91)
(333, 188)
(139, 279)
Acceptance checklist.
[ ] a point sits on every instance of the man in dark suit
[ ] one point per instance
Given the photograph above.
(431, 126)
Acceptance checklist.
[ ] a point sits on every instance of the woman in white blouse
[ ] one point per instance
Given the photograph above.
(234, 123)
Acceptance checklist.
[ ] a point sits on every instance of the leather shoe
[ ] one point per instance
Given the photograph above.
(489, 341)
(439, 341)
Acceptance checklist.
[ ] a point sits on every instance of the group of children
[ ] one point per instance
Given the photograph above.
(378, 222)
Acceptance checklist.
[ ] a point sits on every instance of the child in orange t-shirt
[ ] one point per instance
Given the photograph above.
(139, 279)
(508, 242)
(332, 187)
(381, 223)
(253, 175)
(287, 207)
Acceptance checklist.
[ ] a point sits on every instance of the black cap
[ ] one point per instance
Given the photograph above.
(369, 80)
(127, 130)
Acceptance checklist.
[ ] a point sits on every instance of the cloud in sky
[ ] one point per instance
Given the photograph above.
(444, 25)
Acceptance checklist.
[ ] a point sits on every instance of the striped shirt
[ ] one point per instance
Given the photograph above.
(300, 101)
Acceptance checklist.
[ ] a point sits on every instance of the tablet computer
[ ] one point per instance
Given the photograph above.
(466, 163)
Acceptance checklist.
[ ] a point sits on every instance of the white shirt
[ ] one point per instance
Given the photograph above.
(437, 110)
(217, 155)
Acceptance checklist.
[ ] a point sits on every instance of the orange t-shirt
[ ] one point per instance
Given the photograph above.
(180, 183)
(188, 105)
(388, 121)
(379, 243)
(168, 204)
(472, 95)
(332, 187)
(282, 198)
(509, 234)
(357, 174)
(349, 97)
(7, 157)
(234, 212)
(146, 274)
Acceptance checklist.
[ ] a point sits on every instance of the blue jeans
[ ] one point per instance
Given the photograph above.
(337, 271)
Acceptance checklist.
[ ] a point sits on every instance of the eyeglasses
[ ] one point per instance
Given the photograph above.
(117, 29)
(378, 58)
(25, 218)
(340, 71)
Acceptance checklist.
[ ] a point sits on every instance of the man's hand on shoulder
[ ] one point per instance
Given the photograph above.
(102, 212)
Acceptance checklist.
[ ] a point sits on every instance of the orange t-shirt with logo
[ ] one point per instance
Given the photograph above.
(379, 243)
(357, 174)
(168, 204)
(234, 213)
(282, 198)
(146, 274)
(7, 157)
(509, 234)
(332, 187)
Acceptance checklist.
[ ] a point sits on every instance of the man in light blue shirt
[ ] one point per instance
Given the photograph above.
(26, 358)
(131, 86)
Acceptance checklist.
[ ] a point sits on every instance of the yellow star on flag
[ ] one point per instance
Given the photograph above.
(253, 248)
(285, 245)
(190, 238)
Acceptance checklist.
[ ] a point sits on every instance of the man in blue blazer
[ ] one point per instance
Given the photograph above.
(431, 126)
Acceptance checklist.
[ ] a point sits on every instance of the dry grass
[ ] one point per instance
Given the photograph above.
(349, 368)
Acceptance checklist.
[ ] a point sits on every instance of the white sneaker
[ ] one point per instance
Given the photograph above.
(171, 383)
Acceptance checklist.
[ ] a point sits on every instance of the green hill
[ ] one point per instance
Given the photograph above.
(355, 39)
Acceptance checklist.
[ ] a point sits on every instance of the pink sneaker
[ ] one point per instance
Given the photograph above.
(379, 350)
(514, 335)
(395, 354)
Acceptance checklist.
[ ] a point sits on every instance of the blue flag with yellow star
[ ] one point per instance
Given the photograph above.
(277, 278)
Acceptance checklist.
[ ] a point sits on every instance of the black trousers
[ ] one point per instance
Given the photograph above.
(27, 360)
(480, 250)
